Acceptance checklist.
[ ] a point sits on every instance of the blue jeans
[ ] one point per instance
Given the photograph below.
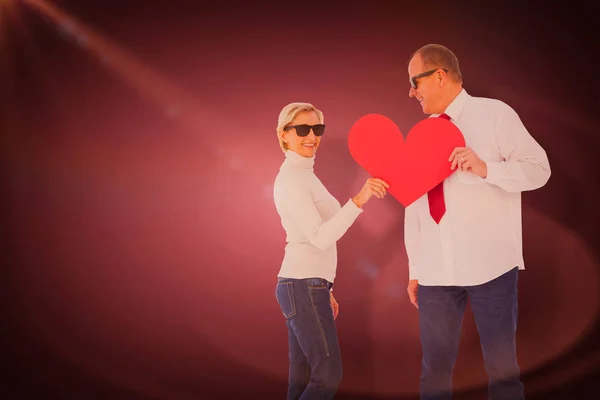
(494, 305)
(315, 364)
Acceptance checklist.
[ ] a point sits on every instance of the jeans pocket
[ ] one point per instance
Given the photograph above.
(285, 298)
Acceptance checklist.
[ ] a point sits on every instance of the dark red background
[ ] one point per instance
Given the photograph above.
(142, 241)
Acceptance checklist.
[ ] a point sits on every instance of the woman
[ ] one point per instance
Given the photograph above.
(313, 221)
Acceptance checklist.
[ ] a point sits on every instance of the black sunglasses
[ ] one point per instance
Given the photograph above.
(413, 80)
(304, 130)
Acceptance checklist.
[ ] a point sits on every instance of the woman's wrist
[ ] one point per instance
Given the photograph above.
(357, 202)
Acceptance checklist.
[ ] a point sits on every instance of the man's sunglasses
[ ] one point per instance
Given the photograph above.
(413, 80)
(304, 130)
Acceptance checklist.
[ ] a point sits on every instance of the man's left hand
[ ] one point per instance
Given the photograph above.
(334, 305)
(465, 159)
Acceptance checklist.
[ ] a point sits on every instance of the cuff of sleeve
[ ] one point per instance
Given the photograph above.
(350, 204)
(494, 172)
(412, 273)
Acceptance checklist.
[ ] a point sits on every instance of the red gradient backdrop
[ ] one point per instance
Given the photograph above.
(144, 240)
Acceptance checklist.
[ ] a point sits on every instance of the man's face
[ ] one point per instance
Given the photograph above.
(428, 90)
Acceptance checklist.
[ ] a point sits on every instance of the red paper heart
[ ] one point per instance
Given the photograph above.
(411, 167)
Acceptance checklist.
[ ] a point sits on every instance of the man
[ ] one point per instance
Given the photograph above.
(463, 238)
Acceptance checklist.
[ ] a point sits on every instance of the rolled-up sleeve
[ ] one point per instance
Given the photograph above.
(525, 165)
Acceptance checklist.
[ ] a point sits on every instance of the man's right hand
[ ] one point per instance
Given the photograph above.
(413, 292)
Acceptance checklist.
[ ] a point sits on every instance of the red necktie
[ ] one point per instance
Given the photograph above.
(437, 207)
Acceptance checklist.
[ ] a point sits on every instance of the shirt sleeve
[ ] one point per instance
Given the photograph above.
(525, 164)
(412, 232)
(299, 205)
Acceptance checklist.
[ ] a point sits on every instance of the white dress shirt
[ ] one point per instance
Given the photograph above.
(480, 236)
(312, 219)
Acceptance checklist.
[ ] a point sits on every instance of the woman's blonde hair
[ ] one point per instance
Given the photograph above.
(287, 115)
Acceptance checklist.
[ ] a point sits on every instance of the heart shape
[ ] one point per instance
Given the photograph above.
(412, 167)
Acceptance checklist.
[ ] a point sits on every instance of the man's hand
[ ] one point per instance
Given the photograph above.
(413, 292)
(466, 160)
(334, 305)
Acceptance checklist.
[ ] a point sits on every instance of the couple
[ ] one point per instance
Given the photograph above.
(463, 238)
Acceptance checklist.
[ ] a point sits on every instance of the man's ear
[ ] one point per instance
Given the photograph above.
(442, 78)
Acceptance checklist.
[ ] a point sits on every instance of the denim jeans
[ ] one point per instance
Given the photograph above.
(494, 305)
(315, 364)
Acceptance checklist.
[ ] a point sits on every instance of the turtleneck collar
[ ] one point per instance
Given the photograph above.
(301, 161)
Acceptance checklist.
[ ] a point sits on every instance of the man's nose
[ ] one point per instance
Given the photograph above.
(412, 92)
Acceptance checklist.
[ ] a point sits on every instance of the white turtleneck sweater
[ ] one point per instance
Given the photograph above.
(312, 219)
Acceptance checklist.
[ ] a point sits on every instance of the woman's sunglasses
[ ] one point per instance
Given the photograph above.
(304, 130)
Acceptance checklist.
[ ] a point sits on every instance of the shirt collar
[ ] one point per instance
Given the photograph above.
(456, 106)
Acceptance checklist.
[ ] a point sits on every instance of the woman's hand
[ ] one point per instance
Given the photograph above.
(373, 187)
(334, 305)
(413, 292)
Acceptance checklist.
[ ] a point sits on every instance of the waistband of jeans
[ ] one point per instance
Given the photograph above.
(316, 281)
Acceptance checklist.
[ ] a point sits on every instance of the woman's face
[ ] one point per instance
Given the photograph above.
(304, 145)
